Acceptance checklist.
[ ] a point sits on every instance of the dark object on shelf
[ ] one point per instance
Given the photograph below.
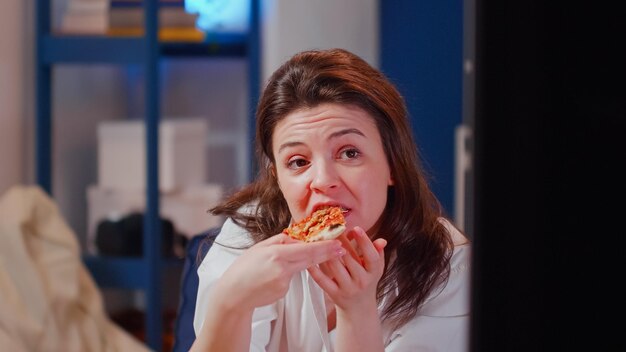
(124, 237)
(133, 321)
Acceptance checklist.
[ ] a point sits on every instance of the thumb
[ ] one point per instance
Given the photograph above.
(380, 244)
(280, 238)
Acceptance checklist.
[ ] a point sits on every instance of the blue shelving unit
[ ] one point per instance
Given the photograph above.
(143, 273)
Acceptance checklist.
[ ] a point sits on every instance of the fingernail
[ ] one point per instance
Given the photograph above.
(341, 251)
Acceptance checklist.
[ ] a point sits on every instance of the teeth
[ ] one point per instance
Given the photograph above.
(343, 210)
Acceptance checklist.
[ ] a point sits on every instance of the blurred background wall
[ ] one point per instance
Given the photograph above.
(14, 70)
(418, 44)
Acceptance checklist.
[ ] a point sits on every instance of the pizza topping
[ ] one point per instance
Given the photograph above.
(325, 223)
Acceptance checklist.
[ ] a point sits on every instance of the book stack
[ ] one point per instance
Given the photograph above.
(85, 17)
(126, 17)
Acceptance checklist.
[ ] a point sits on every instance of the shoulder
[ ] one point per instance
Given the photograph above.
(460, 261)
(229, 244)
(425, 333)
(442, 322)
(458, 238)
(461, 257)
(452, 297)
(233, 235)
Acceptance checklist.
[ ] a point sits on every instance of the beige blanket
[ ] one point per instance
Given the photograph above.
(48, 300)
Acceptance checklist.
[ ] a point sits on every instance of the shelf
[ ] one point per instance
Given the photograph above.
(124, 272)
(123, 48)
(218, 45)
(132, 49)
(92, 49)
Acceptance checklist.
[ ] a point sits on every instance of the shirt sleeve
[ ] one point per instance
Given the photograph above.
(262, 326)
(442, 324)
(432, 334)
(219, 257)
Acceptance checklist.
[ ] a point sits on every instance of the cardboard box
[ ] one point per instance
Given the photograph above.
(122, 154)
(186, 208)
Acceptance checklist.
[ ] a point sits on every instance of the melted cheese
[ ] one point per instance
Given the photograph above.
(310, 227)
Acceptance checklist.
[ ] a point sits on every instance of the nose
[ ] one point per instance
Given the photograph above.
(325, 178)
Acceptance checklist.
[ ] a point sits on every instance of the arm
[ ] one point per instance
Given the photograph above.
(225, 328)
(259, 277)
(359, 329)
(351, 283)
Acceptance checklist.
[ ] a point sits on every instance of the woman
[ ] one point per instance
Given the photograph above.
(332, 130)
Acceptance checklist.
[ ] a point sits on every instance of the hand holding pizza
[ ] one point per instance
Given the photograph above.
(351, 280)
(261, 275)
(258, 277)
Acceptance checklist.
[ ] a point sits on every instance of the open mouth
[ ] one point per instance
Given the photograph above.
(344, 210)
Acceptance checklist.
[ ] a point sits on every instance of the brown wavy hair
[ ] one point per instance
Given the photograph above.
(418, 243)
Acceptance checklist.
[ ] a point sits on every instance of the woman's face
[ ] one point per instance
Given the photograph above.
(332, 155)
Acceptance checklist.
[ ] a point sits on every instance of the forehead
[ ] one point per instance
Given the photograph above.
(324, 120)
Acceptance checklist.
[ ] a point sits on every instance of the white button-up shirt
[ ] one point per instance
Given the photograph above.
(298, 321)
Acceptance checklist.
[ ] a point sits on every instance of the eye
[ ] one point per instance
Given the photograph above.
(349, 153)
(297, 163)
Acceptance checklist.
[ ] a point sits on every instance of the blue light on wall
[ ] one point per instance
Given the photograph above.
(422, 52)
(220, 16)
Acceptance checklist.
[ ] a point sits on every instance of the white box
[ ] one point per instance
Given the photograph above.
(86, 17)
(122, 154)
(185, 208)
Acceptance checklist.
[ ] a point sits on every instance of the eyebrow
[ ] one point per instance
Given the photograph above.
(332, 135)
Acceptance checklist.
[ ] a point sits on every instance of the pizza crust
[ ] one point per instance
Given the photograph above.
(329, 233)
(323, 224)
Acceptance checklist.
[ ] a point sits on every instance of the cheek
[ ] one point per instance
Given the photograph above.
(294, 191)
(372, 195)
(376, 201)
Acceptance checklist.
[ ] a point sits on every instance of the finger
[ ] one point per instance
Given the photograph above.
(355, 267)
(380, 244)
(369, 252)
(326, 283)
(302, 255)
(339, 272)
(325, 269)
(348, 246)
(280, 238)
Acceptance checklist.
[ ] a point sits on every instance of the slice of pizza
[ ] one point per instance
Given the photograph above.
(324, 224)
